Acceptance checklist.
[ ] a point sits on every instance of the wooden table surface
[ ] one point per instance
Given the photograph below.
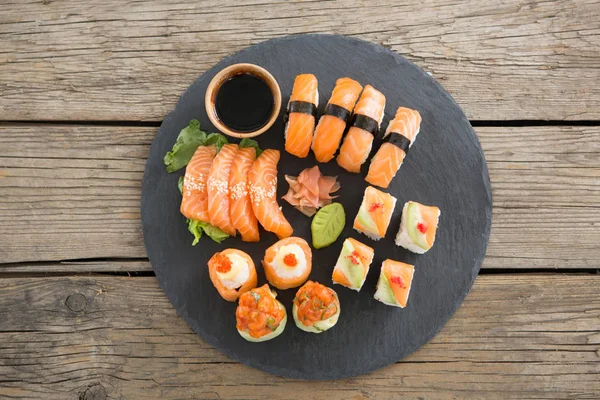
(84, 86)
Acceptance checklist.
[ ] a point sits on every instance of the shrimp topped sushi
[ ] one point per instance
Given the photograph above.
(374, 214)
(262, 184)
(336, 115)
(365, 124)
(399, 137)
(395, 280)
(259, 316)
(353, 264)
(418, 227)
(316, 308)
(302, 110)
(288, 263)
(232, 273)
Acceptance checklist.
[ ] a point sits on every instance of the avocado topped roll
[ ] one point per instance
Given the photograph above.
(395, 280)
(353, 264)
(374, 214)
(316, 308)
(418, 227)
(259, 317)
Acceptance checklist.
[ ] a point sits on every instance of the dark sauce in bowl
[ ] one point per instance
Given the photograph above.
(244, 103)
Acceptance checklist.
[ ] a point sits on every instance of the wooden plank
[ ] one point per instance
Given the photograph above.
(99, 59)
(525, 336)
(71, 192)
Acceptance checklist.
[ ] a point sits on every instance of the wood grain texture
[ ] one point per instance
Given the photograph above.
(527, 336)
(90, 60)
(72, 192)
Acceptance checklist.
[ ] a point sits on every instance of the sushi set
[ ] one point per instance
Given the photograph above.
(295, 210)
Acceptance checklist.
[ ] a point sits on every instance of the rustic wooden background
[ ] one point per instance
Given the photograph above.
(84, 86)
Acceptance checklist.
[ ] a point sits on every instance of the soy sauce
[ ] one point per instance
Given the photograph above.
(244, 103)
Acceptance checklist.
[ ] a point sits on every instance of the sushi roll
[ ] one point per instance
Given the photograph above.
(259, 316)
(288, 263)
(399, 136)
(418, 227)
(395, 280)
(374, 214)
(336, 115)
(316, 308)
(232, 273)
(353, 264)
(302, 110)
(365, 124)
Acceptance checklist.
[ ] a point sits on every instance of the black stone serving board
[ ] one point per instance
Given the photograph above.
(445, 167)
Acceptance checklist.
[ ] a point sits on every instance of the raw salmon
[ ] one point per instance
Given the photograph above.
(302, 108)
(399, 136)
(218, 189)
(194, 204)
(358, 141)
(332, 124)
(240, 206)
(262, 184)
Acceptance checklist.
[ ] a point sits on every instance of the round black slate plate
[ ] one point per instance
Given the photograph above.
(445, 167)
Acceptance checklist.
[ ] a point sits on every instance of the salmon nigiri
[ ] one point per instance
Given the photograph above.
(366, 120)
(302, 110)
(240, 207)
(218, 189)
(194, 204)
(332, 124)
(394, 283)
(262, 184)
(399, 136)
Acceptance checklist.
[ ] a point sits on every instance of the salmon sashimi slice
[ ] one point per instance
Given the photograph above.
(218, 189)
(358, 141)
(240, 206)
(300, 125)
(330, 128)
(194, 204)
(399, 136)
(262, 185)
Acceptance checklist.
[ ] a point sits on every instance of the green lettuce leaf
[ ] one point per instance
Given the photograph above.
(195, 229)
(213, 232)
(186, 144)
(246, 142)
(180, 184)
(217, 139)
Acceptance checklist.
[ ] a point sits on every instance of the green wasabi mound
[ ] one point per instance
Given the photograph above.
(327, 225)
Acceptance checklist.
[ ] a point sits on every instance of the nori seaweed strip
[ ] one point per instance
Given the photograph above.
(337, 111)
(303, 107)
(366, 123)
(398, 140)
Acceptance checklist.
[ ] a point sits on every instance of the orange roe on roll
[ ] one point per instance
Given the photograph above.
(223, 264)
(290, 260)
